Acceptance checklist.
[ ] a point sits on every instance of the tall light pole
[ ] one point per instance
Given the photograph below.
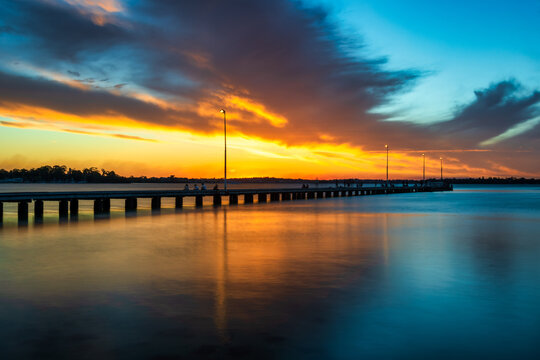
(386, 146)
(441, 170)
(225, 154)
(424, 168)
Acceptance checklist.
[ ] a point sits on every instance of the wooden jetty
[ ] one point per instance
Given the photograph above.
(68, 202)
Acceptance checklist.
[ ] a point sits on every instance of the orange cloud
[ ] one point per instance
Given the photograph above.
(33, 113)
(248, 155)
(100, 11)
(256, 109)
(120, 136)
(52, 127)
(14, 124)
(106, 5)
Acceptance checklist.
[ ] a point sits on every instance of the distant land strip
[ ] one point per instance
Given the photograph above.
(63, 174)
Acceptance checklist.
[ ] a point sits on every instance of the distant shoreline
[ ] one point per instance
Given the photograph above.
(63, 175)
(459, 181)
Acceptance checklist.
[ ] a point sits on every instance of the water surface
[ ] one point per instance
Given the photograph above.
(426, 275)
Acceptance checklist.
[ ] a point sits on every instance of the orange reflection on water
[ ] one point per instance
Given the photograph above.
(249, 252)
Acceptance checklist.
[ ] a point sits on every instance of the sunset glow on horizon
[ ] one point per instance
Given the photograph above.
(136, 87)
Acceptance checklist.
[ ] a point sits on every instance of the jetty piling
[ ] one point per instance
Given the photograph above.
(74, 208)
(63, 206)
(22, 211)
(178, 202)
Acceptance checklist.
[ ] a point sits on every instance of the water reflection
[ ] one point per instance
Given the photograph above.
(385, 238)
(494, 253)
(221, 281)
(335, 278)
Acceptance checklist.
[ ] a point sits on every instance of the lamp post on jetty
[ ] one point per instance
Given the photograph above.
(386, 146)
(441, 169)
(225, 154)
(423, 168)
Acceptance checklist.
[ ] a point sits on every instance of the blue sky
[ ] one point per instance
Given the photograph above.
(461, 45)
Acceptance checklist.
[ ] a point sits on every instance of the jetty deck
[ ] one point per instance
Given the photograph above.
(68, 201)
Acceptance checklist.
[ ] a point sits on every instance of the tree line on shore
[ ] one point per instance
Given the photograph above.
(58, 173)
(63, 174)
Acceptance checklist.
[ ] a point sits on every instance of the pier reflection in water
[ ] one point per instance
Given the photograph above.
(339, 278)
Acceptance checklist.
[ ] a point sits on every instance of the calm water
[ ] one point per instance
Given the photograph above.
(405, 276)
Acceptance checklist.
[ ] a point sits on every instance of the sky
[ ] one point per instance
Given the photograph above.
(311, 89)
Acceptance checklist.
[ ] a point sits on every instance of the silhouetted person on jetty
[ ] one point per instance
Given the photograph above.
(216, 188)
(203, 187)
(186, 187)
(195, 187)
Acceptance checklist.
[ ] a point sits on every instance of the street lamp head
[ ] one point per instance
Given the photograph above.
(222, 111)
(386, 146)
(423, 154)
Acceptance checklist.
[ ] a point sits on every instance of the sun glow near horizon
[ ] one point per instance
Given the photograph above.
(186, 154)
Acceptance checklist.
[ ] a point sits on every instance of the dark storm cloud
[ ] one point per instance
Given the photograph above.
(292, 60)
(59, 29)
(495, 110)
(65, 99)
(288, 57)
